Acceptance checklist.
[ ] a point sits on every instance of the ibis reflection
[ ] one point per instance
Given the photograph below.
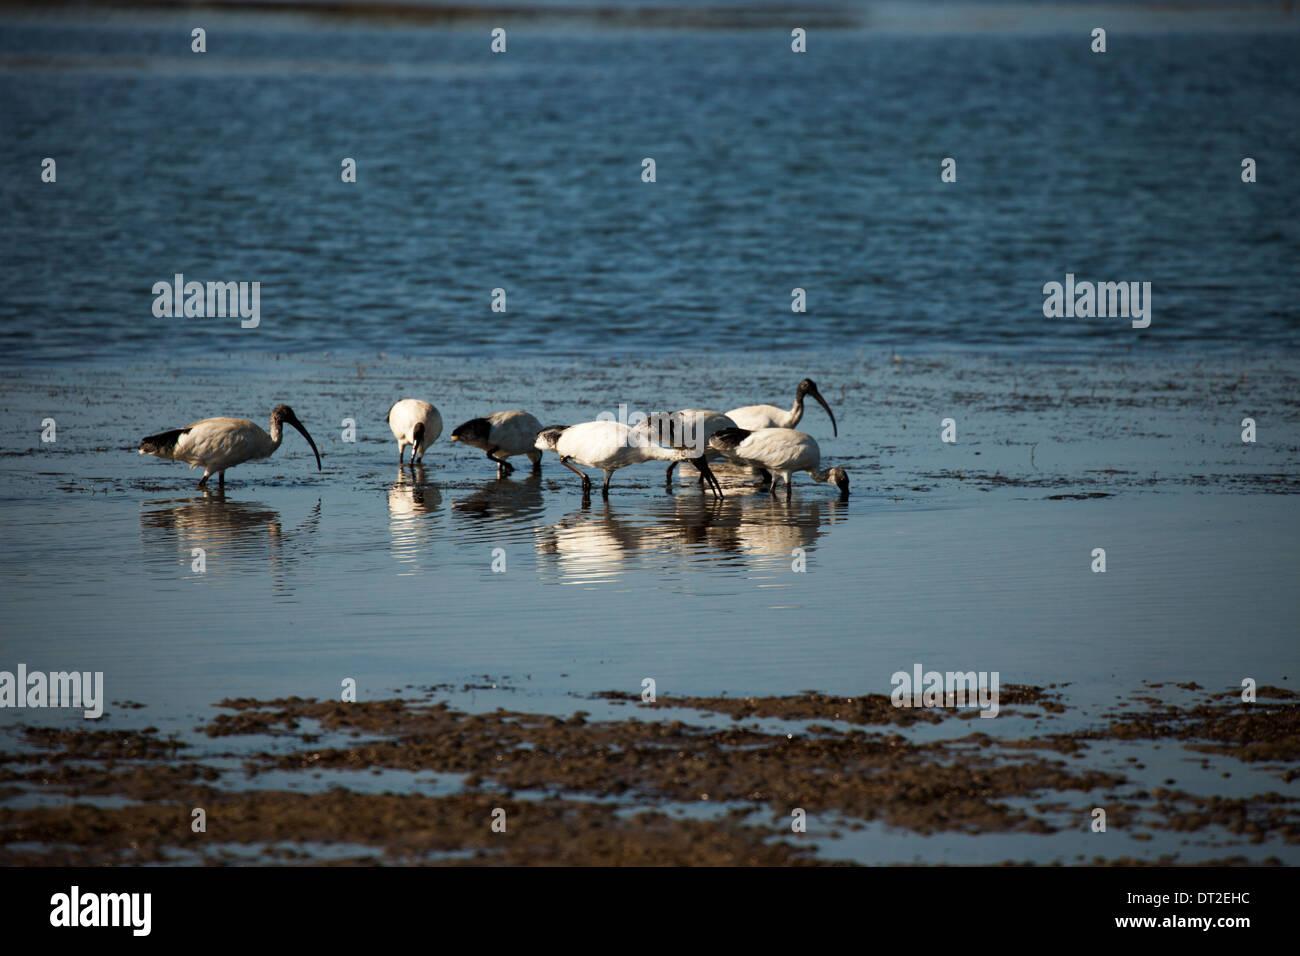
(501, 513)
(211, 534)
(745, 532)
(411, 500)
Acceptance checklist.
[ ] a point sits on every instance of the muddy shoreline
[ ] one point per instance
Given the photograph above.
(580, 791)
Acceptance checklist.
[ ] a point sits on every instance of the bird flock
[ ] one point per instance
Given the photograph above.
(760, 438)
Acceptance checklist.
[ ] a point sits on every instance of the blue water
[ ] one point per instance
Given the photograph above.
(523, 171)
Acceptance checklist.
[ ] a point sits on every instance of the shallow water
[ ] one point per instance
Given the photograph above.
(306, 586)
(385, 574)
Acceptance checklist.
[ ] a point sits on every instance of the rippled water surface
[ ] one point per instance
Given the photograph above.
(523, 172)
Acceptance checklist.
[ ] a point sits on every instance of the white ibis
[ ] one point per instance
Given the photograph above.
(687, 428)
(502, 435)
(609, 446)
(221, 443)
(414, 423)
(754, 417)
(781, 451)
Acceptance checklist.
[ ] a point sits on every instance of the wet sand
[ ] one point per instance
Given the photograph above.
(658, 788)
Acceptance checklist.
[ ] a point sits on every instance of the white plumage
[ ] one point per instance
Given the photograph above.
(610, 445)
(687, 428)
(414, 423)
(781, 451)
(503, 435)
(754, 417)
(221, 443)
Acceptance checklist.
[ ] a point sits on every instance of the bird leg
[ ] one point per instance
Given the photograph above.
(401, 450)
(203, 482)
(503, 466)
(221, 478)
(536, 457)
(586, 481)
(669, 478)
(604, 491)
(765, 479)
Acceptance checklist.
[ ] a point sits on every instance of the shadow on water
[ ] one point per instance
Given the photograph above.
(232, 535)
(515, 502)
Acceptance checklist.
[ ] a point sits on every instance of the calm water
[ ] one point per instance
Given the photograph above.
(774, 171)
(522, 171)
(367, 571)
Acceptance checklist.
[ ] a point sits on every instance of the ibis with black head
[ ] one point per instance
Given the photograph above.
(221, 443)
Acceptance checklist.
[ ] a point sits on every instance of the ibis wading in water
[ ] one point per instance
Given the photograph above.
(754, 417)
(610, 445)
(781, 451)
(688, 428)
(221, 443)
(414, 423)
(502, 435)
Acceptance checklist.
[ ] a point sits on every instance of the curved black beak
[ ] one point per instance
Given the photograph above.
(298, 425)
(818, 395)
(702, 464)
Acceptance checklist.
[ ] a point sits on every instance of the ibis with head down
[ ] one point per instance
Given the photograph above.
(781, 451)
(221, 443)
(414, 423)
(687, 428)
(609, 446)
(502, 435)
